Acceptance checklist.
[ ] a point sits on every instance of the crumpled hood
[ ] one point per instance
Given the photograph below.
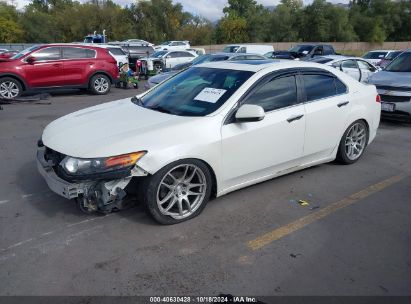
(108, 129)
(395, 79)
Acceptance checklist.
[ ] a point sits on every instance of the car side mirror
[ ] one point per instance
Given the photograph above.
(168, 56)
(249, 113)
(31, 59)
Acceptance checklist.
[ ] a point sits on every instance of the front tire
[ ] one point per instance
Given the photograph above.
(178, 192)
(353, 143)
(10, 88)
(100, 84)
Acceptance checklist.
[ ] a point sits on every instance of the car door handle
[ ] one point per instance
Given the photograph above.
(342, 104)
(295, 117)
(57, 65)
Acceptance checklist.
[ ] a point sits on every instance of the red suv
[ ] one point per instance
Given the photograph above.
(55, 66)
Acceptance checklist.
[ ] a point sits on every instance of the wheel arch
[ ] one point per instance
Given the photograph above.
(18, 78)
(100, 72)
(360, 118)
(207, 164)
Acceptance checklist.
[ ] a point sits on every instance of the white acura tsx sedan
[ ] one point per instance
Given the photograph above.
(207, 131)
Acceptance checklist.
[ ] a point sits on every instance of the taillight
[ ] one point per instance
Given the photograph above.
(378, 98)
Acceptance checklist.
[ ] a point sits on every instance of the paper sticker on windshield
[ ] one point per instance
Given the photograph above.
(210, 95)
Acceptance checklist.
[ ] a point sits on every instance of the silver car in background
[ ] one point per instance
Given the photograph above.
(356, 67)
(394, 86)
(154, 80)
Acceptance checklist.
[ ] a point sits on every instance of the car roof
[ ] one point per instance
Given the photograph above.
(342, 57)
(68, 44)
(233, 54)
(258, 65)
(381, 51)
(104, 46)
(174, 51)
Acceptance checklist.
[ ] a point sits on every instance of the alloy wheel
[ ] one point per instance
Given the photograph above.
(355, 141)
(9, 89)
(101, 85)
(181, 191)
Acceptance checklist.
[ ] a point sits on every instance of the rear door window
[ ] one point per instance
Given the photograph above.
(340, 87)
(319, 86)
(77, 53)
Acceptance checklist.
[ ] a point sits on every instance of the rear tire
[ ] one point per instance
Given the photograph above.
(178, 192)
(353, 143)
(10, 88)
(100, 84)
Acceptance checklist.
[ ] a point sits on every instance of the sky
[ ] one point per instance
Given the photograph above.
(210, 9)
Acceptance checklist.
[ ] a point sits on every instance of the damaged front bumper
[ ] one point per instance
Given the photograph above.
(56, 184)
(102, 194)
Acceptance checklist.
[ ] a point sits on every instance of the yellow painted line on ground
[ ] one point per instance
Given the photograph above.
(278, 233)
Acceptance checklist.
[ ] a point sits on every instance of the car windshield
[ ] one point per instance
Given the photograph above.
(197, 91)
(301, 48)
(158, 54)
(25, 52)
(231, 49)
(165, 43)
(400, 64)
(392, 55)
(374, 55)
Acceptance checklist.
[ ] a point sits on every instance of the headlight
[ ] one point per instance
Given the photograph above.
(80, 166)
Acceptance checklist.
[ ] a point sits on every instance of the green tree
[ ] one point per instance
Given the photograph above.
(199, 31)
(315, 24)
(285, 20)
(340, 28)
(255, 15)
(10, 29)
(232, 29)
(373, 20)
(402, 31)
(158, 20)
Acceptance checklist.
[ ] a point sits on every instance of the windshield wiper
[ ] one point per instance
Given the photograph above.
(136, 100)
(160, 109)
